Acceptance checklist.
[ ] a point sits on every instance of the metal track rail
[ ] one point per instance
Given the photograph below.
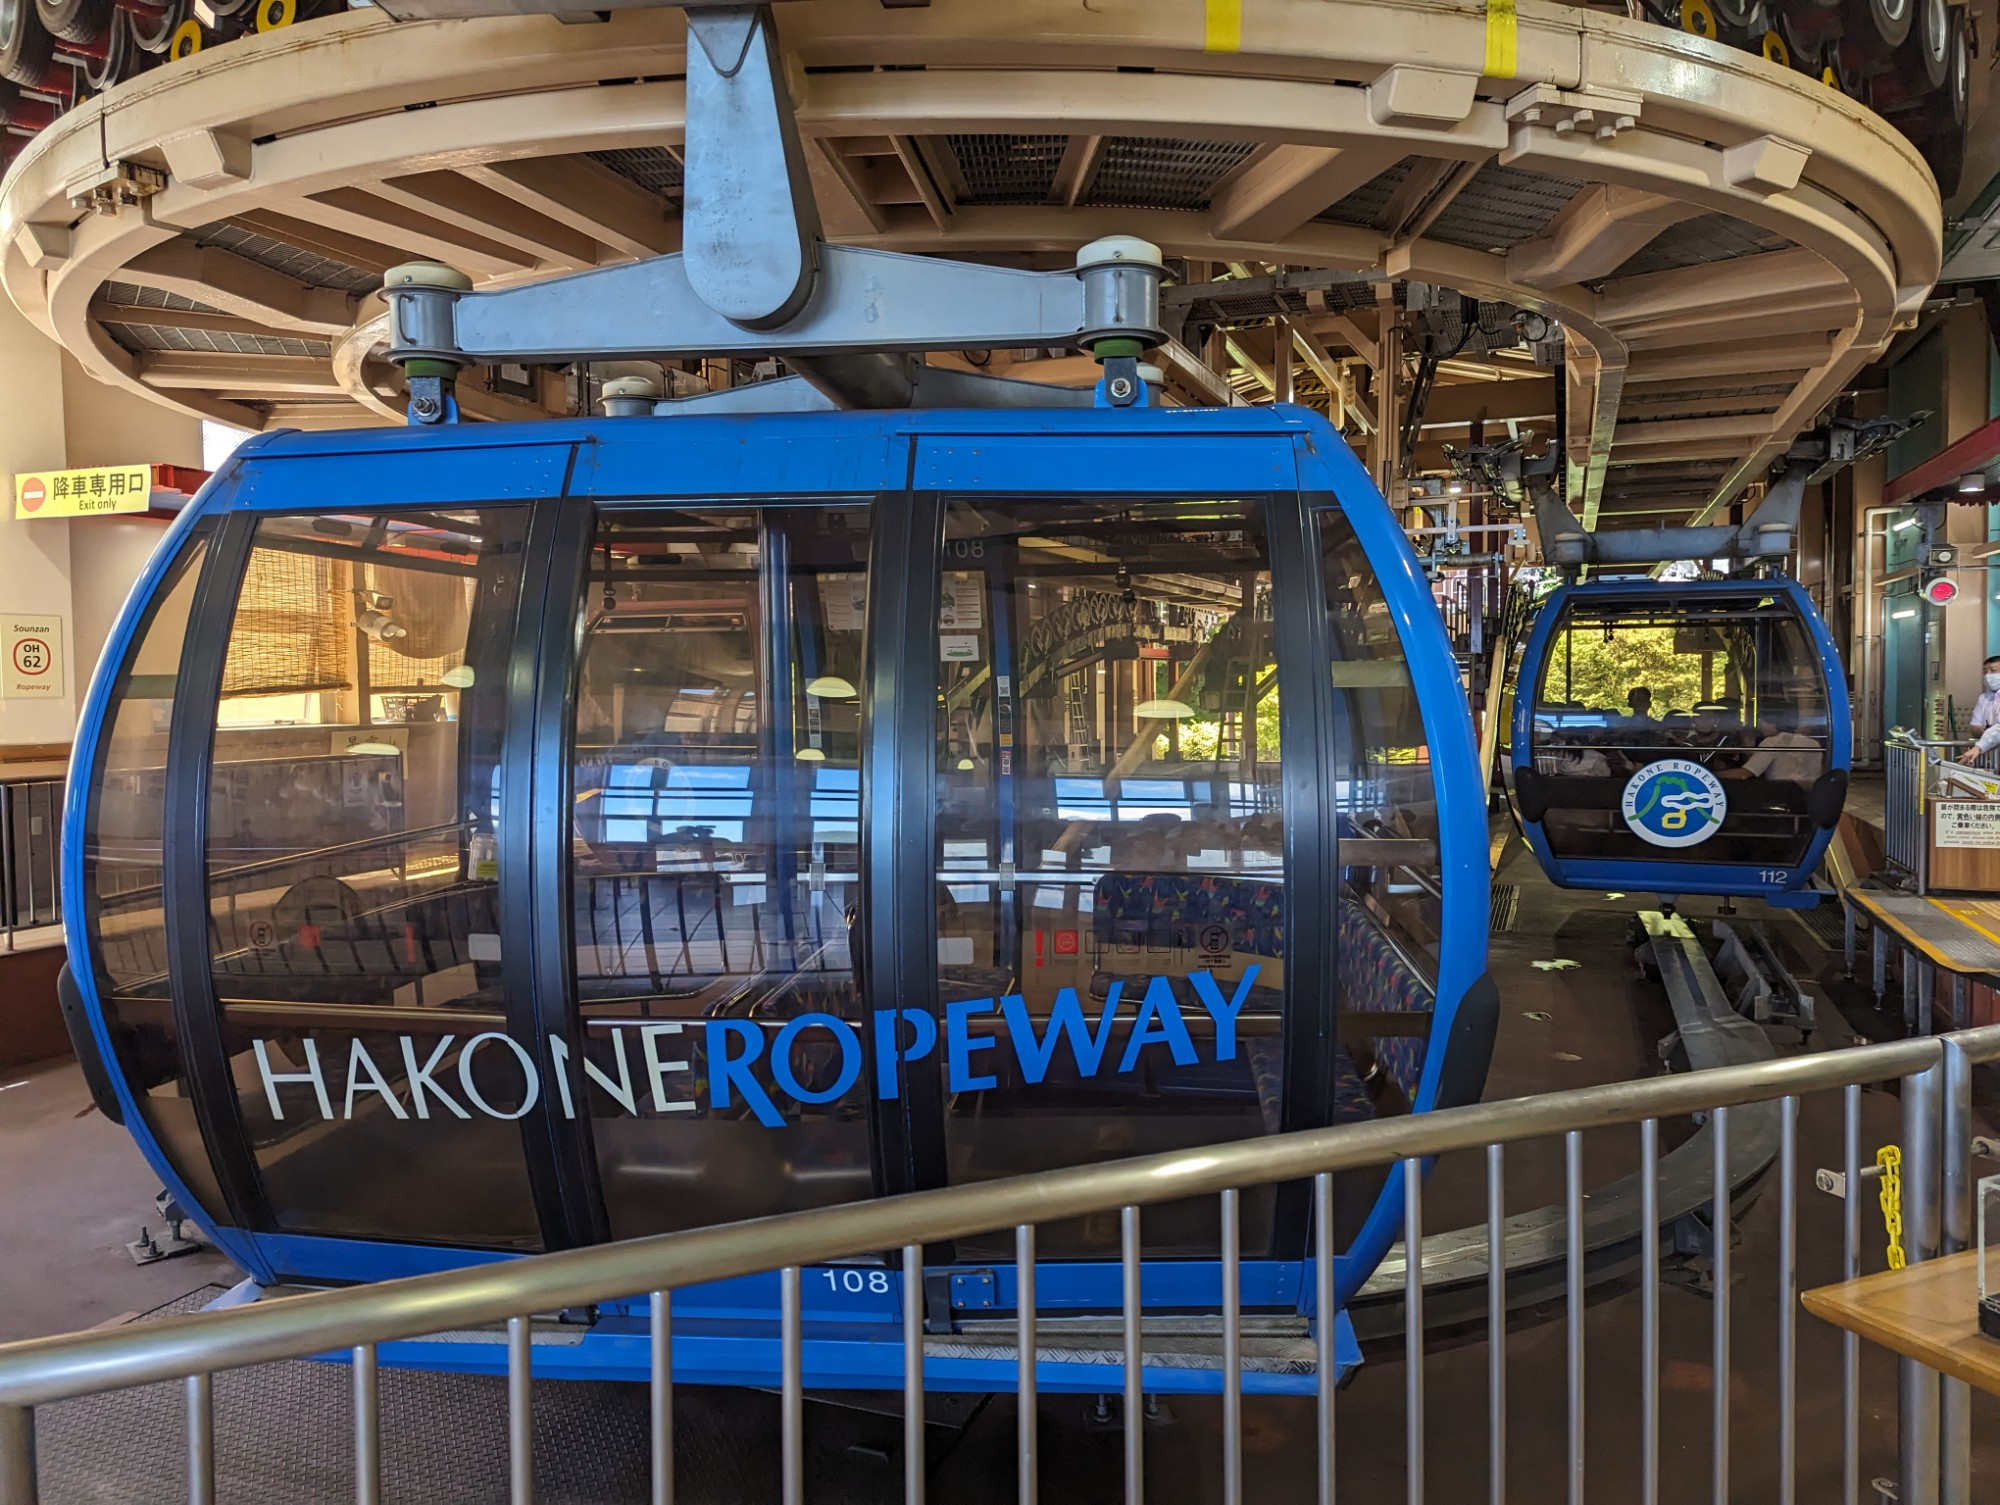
(1455, 1266)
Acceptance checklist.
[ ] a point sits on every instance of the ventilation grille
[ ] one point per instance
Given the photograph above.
(653, 168)
(1367, 204)
(1008, 169)
(1162, 172)
(309, 267)
(1698, 242)
(214, 342)
(130, 295)
(1501, 207)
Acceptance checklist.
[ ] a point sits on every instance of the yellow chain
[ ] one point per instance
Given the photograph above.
(1890, 1158)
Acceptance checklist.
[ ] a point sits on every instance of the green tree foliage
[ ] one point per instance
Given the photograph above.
(1201, 736)
(1599, 671)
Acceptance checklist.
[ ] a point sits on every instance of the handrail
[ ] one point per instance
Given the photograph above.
(293, 859)
(49, 1369)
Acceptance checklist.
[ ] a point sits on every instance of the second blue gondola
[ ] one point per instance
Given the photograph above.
(1681, 737)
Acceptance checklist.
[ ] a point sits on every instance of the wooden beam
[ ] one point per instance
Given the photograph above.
(250, 375)
(1494, 402)
(458, 200)
(588, 197)
(923, 178)
(236, 285)
(847, 206)
(1279, 188)
(1081, 158)
(1593, 235)
(1359, 340)
(361, 212)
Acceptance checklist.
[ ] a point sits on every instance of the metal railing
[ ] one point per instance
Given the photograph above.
(30, 834)
(1909, 764)
(1933, 1413)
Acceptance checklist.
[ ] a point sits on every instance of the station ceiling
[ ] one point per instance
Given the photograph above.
(1723, 243)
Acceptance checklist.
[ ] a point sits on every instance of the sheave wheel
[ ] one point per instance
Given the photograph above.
(75, 20)
(1935, 21)
(186, 41)
(26, 48)
(1697, 19)
(1774, 49)
(1888, 20)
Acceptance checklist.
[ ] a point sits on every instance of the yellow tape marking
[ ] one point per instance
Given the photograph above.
(1964, 917)
(1224, 31)
(1503, 35)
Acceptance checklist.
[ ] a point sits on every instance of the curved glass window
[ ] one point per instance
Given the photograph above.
(1734, 685)
(353, 875)
(716, 790)
(126, 910)
(1110, 858)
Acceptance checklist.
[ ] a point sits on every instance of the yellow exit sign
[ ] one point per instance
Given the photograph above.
(83, 493)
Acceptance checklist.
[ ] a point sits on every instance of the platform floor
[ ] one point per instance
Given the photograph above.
(79, 1191)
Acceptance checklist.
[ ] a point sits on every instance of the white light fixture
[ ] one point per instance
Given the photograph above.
(380, 625)
(965, 765)
(1162, 710)
(375, 749)
(1908, 522)
(1903, 615)
(459, 676)
(830, 687)
(1972, 483)
(810, 755)
(1456, 488)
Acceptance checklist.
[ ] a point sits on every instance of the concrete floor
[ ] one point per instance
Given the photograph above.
(80, 1191)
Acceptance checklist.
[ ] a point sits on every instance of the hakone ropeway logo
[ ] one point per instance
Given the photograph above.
(1674, 802)
(814, 1058)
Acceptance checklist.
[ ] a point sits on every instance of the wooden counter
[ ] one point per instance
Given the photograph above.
(1928, 1312)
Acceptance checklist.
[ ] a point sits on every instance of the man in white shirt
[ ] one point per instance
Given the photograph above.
(1986, 713)
(1791, 757)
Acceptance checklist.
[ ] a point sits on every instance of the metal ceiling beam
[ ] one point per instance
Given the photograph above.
(1278, 188)
(588, 197)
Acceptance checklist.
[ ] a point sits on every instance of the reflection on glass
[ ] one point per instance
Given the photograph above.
(1389, 910)
(715, 862)
(353, 862)
(1111, 896)
(1733, 685)
(126, 913)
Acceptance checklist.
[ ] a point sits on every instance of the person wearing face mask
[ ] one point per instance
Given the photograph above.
(1986, 713)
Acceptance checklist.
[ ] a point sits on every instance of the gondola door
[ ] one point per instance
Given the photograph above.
(714, 790)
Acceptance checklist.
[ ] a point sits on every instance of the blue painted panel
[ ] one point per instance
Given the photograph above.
(365, 480)
(738, 457)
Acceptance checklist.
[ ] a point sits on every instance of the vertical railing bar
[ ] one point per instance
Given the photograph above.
(17, 1456)
(1135, 1357)
(1413, 1324)
(200, 1439)
(1496, 1326)
(1788, 1299)
(1024, 1342)
(1649, 1312)
(1573, 1293)
(1324, 1317)
(660, 1407)
(1718, 1123)
(520, 1413)
(367, 1427)
(1916, 1382)
(1850, 1269)
(1232, 1347)
(1955, 1233)
(792, 1386)
(913, 1374)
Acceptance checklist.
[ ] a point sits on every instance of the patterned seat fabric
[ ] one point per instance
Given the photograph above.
(1169, 910)
(1375, 977)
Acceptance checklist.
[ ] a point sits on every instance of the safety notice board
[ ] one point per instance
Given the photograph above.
(31, 666)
